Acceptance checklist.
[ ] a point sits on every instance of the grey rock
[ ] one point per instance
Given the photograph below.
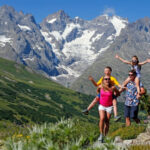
(128, 142)
(118, 139)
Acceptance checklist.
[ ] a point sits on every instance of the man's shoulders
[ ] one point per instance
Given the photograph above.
(112, 78)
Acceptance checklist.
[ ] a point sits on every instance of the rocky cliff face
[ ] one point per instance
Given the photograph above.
(22, 41)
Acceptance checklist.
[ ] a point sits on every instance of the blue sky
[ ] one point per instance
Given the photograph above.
(85, 9)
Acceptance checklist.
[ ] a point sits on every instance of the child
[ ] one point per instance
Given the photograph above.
(107, 71)
(136, 65)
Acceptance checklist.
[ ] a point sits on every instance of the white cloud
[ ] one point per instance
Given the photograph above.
(109, 11)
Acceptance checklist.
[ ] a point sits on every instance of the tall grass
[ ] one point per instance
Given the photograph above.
(64, 135)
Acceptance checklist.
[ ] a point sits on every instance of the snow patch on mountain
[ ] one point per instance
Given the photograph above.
(37, 47)
(80, 47)
(4, 40)
(118, 24)
(69, 70)
(46, 36)
(57, 35)
(52, 20)
(69, 28)
(97, 37)
(24, 28)
(105, 48)
(29, 59)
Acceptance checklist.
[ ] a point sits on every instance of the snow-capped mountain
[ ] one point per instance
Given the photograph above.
(22, 41)
(77, 43)
(60, 47)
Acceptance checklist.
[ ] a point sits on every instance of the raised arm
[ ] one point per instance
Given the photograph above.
(144, 62)
(123, 60)
(93, 81)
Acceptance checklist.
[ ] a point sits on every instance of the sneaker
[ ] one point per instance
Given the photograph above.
(85, 111)
(117, 118)
(100, 138)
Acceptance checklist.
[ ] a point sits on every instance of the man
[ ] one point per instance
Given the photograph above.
(131, 100)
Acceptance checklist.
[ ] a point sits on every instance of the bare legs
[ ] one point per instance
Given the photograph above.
(115, 107)
(96, 99)
(104, 122)
(128, 121)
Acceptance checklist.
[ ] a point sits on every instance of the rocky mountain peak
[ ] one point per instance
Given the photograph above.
(142, 25)
(58, 16)
(7, 12)
(7, 9)
(61, 14)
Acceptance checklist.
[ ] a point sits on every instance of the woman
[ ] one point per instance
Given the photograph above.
(107, 72)
(106, 90)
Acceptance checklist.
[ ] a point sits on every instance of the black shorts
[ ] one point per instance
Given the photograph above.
(131, 111)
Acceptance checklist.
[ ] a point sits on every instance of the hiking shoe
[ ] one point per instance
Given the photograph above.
(100, 138)
(85, 111)
(117, 118)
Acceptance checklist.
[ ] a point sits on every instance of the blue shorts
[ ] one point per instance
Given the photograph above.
(141, 84)
(114, 96)
(131, 111)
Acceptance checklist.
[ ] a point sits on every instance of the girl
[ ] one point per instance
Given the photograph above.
(136, 65)
(106, 90)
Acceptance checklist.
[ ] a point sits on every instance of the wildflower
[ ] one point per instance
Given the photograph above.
(28, 137)
(19, 135)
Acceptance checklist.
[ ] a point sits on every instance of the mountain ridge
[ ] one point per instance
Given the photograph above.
(60, 47)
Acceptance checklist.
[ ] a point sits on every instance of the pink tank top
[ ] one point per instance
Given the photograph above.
(106, 98)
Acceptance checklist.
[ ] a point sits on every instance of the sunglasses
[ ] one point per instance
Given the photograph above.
(131, 74)
(134, 61)
(107, 79)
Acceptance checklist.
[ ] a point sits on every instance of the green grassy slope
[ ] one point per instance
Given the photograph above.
(27, 97)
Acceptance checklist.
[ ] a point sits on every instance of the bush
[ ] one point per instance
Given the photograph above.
(139, 147)
(130, 132)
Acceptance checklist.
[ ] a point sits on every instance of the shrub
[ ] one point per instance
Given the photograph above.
(139, 147)
(130, 132)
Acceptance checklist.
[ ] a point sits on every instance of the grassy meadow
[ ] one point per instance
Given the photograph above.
(39, 114)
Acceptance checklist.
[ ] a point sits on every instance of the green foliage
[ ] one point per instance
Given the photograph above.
(139, 147)
(66, 134)
(145, 103)
(130, 132)
(8, 128)
(26, 97)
